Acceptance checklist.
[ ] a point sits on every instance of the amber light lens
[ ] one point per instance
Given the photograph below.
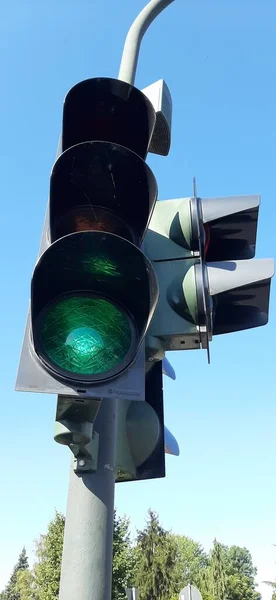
(92, 218)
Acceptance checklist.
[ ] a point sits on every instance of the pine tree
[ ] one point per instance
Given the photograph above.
(156, 557)
(10, 591)
(218, 572)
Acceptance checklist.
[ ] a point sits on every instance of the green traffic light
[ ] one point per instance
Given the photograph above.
(85, 335)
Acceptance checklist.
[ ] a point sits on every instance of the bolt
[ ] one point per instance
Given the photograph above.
(82, 462)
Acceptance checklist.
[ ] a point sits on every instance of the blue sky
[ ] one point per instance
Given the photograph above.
(218, 59)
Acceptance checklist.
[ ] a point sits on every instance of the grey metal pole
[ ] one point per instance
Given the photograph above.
(134, 37)
(86, 571)
(132, 593)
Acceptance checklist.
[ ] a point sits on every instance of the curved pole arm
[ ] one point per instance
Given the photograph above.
(134, 37)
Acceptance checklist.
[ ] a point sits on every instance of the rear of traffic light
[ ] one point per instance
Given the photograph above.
(202, 251)
(140, 437)
(93, 290)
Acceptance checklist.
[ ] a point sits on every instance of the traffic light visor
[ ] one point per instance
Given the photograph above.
(101, 186)
(108, 109)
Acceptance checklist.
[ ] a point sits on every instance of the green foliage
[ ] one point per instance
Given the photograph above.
(42, 583)
(240, 562)
(217, 573)
(271, 583)
(46, 573)
(10, 592)
(191, 560)
(156, 558)
(205, 583)
(160, 564)
(25, 585)
(123, 568)
(241, 575)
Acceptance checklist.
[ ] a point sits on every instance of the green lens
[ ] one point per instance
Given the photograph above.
(86, 336)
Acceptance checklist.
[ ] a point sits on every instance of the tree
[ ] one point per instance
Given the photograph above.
(241, 575)
(10, 592)
(46, 572)
(205, 584)
(123, 567)
(160, 564)
(25, 585)
(42, 582)
(218, 572)
(271, 583)
(191, 560)
(240, 562)
(156, 557)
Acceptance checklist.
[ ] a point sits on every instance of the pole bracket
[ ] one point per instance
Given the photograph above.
(86, 459)
(74, 428)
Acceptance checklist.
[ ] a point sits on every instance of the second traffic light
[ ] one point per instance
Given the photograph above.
(202, 250)
(93, 290)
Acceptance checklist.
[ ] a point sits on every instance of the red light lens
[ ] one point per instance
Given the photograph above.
(92, 218)
(207, 238)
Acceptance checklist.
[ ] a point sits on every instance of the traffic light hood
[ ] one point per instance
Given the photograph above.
(225, 228)
(231, 227)
(240, 291)
(110, 110)
(101, 186)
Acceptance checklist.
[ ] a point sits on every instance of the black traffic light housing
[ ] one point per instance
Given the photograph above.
(102, 194)
(109, 110)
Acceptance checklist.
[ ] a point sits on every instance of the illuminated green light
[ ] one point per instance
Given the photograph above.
(86, 336)
(85, 341)
(100, 266)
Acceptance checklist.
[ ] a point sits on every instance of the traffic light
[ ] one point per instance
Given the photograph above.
(202, 250)
(93, 290)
